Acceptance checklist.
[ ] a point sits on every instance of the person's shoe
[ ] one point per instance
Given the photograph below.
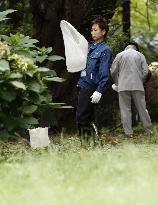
(129, 135)
(149, 132)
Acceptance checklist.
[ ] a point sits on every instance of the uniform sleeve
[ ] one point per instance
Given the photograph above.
(105, 61)
(114, 70)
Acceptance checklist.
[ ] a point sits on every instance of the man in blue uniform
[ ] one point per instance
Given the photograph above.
(93, 79)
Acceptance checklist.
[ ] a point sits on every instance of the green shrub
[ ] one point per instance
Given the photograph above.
(116, 38)
(23, 82)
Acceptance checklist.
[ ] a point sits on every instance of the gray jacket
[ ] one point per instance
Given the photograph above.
(129, 70)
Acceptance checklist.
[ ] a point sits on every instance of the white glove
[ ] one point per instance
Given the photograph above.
(115, 87)
(96, 97)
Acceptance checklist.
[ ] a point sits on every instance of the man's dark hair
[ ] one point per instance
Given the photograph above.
(132, 43)
(102, 23)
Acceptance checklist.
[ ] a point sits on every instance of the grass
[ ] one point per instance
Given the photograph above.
(123, 171)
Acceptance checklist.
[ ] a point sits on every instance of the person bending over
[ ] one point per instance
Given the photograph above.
(129, 71)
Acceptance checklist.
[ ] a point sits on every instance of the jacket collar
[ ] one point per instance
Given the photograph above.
(98, 47)
(95, 45)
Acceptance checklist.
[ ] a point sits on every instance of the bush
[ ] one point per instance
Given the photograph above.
(23, 82)
(152, 90)
(116, 38)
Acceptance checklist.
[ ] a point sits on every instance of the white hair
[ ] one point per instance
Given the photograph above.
(131, 47)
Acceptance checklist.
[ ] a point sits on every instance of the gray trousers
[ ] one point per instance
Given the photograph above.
(126, 113)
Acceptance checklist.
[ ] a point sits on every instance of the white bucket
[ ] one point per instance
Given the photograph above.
(39, 137)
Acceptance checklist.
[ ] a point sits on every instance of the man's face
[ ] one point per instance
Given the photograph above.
(97, 33)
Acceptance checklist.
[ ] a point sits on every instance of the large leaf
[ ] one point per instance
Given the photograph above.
(21, 42)
(49, 49)
(29, 109)
(66, 107)
(55, 58)
(48, 97)
(43, 69)
(40, 59)
(33, 97)
(53, 105)
(4, 65)
(34, 86)
(44, 73)
(3, 14)
(26, 122)
(55, 79)
(28, 42)
(18, 84)
(52, 73)
(30, 73)
(23, 52)
(30, 120)
(15, 75)
(7, 95)
(4, 37)
(43, 99)
(9, 122)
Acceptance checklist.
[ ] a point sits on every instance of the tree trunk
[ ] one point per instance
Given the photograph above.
(126, 17)
(20, 16)
(15, 17)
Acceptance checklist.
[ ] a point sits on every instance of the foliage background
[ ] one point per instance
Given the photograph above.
(42, 18)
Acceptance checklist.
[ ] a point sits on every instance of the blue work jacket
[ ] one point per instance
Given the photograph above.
(96, 73)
